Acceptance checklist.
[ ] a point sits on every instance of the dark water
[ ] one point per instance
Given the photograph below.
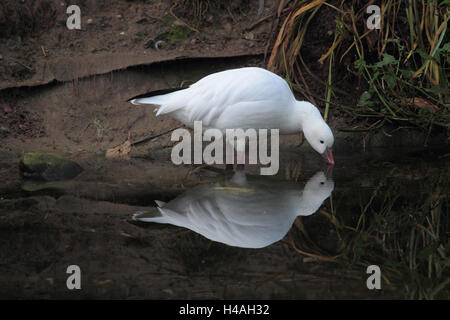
(387, 210)
(309, 232)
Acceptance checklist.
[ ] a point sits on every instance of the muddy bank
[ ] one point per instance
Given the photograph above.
(38, 48)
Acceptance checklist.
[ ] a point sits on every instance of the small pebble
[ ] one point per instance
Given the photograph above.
(168, 291)
(249, 36)
(4, 129)
(179, 23)
(228, 27)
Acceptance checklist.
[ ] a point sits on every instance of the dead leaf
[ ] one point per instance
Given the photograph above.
(127, 235)
(419, 102)
(7, 109)
(103, 282)
(121, 151)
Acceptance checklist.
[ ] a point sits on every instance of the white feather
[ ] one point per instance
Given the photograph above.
(216, 98)
(244, 98)
(244, 213)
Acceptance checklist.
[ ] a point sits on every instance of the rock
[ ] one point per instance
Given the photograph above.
(228, 27)
(4, 129)
(249, 36)
(179, 23)
(48, 167)
(142, 21)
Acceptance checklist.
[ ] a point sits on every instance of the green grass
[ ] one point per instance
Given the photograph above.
(101, 127)
(178, 33)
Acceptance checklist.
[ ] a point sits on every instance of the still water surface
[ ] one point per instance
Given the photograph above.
(307, 233)
(384, 209)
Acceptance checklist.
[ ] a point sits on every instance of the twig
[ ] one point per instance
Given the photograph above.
(18, 62)
(153, 137)
(187, 25)
(270, 16)
(43, 51)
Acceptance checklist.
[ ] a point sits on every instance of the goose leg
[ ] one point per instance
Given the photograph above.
(302, 140)
(240, 159)
(229, 149)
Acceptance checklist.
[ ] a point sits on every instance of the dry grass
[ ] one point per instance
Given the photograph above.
(404, 66)
(24, 18)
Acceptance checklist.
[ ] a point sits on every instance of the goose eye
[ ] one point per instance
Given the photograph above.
(322, 183)
(321, 141)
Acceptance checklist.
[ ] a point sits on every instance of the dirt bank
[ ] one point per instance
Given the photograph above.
(116, 35)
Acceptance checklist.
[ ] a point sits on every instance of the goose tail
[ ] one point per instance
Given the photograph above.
(156, 98)
(147, 216)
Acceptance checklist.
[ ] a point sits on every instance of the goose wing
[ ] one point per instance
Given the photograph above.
(223, 98)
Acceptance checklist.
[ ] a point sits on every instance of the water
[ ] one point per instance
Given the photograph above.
(306, 233)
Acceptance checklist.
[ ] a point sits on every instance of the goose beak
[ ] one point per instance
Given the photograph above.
(328, 156)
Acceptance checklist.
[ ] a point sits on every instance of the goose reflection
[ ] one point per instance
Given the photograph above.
(241, 212)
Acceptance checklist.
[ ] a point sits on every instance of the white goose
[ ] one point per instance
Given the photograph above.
(245, 98)
(242, 213)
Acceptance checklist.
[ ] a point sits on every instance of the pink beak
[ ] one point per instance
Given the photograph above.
(328, 155)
